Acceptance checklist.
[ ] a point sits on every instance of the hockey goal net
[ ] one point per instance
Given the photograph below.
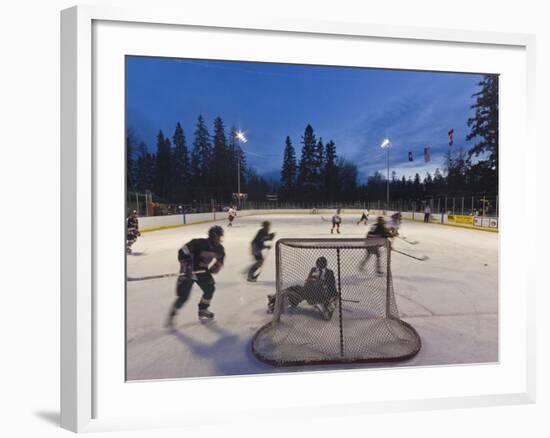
(334, 303)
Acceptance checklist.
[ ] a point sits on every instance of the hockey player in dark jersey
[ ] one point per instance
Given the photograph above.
(394, 224)
(132, 231)
(377, 231)
(319, 291)
(197, 265)
(364, 217)
(257, 245)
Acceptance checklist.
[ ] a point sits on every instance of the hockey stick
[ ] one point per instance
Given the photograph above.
(347, 220)
(152, 277)
(351, 301)
(410, 242)
(423, 258)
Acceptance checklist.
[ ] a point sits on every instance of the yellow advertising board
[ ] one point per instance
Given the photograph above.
(458, 219)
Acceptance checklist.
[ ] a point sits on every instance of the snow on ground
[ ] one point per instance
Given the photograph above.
(451, 299)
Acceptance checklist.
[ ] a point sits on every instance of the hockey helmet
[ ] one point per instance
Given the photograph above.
(215, 231)
(321, 262)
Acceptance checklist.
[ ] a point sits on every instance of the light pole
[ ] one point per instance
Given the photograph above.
(386, 145)
(241, 138)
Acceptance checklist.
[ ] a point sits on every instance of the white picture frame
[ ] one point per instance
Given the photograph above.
(86, 376)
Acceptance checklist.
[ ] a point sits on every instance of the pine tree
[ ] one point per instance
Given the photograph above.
(416, 186)
(145, 169)
(307, 166)
(220, 177)
(347, 180)
(256, 186)
(438, 182)
(131, 151)
(163, 167)
(320, 160)
(201, 160)
(484, 129)
(457, 169)
(181, 165)
(288, 171)
(331, 171)
(428, 184)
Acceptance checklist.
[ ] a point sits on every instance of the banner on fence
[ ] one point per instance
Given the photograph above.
(458, 219)
(487, 222)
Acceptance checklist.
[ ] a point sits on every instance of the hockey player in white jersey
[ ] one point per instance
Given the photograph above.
(231, 214)
(336, 221)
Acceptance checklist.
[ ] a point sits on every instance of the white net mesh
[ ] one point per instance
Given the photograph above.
(334, 303)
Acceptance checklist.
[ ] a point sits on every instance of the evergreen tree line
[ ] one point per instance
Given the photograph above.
(207, 169)
(179, 173)
(319, 175)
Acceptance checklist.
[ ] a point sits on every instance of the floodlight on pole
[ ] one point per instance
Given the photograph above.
(239, 135)
(386, 145)
(241, 138)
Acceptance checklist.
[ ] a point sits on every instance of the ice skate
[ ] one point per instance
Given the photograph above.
(331, 306)
(324, 311)
(170, 320)
(205, 315)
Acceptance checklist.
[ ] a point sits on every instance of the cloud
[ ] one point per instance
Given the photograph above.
(412, 120)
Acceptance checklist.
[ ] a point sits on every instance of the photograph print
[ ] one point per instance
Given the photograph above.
(288, 218)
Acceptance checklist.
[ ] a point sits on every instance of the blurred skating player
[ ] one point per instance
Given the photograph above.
(377, 231)
(336, 221)
(395, 223)
(364, 217)
(231, 213)
(132, 231)
(196, 266)
(258, 244)
(319, 291)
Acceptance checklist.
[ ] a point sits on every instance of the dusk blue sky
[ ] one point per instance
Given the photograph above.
(354, 107)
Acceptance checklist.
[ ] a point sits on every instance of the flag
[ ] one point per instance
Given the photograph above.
(426, 154)
(410, 156)
(451, 132)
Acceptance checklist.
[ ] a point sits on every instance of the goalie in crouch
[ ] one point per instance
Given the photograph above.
(319, 291)
(196, 266)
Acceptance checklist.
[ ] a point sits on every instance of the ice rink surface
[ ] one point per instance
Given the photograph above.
(451, 299)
